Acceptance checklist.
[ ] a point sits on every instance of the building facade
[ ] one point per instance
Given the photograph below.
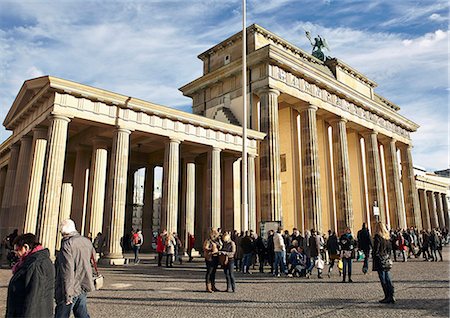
(324, 149)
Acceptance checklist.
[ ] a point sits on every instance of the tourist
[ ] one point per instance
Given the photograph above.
(435, 245)
(137, 239)
(247, 249)
(211, 248)
(261, 250)
(74, 278)
(179, 251)
(229, 249)
(364, 245)
(381, 262)
(161, 246)
(401, 245)
(31, 289)
(316, 259)
(191, 244)
(347, 245)
(297, 260)
(239, 252)
(270, 251)
(280, 253)
(170, 249)
(333, 250)
(99, 243)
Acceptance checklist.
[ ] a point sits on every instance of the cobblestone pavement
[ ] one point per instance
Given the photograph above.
(144, 290)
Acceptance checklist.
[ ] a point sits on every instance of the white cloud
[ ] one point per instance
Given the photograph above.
(147, 49)
(437, 17)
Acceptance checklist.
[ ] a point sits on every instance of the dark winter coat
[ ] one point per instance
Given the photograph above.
(381, 247)
(247, 245)
(364, 241)
(31, 289)
(333, 245)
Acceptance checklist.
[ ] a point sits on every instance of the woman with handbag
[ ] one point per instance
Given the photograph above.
(211, 248)
(347, 244)
(381, 261)
(226, 258)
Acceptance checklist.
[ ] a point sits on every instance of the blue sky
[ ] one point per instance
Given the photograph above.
(148, 49)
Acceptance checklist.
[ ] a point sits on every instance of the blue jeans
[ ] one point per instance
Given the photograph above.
(136, 253)
(313, 263)
(386, 283)
(280, 261)
(347, 268)
(246, 262)
(229, 275)
(366, 261)
(78, 305)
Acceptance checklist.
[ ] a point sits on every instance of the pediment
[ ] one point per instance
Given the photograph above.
(28, 91)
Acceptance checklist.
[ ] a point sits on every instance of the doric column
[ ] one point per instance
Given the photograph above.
(170, 185)
(18, 205)
(118, 180)
(396, 207)
(56, 152)
(190, 198)
(439, 209)
(343, 192)
(426, 223)
(310, 170)
(9, 190)
(147, 215)
(37, 172)
(270, 180)
(409, 189)
(251, 193)
(375, 184)
(3, 171)
(214, 179)
(432, 207)
(65, 207)
(129, 200)
(96, 202)
(445, 209)
(80, 187)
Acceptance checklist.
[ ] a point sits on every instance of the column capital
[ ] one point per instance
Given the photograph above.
(369, 133)
(252, 155)
(26, 137)
(15, 146)
(59, 117)
(100, 142)
(266, 90)
(338, 120)
(123, 130)
(217, 149)
(309, 107)
(40, 132)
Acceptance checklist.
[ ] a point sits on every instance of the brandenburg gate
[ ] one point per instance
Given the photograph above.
(324, 149)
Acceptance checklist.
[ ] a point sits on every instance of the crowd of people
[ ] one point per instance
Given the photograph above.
(37, 282)
(297, 255)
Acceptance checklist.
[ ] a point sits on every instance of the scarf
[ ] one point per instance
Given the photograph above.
(19, 264)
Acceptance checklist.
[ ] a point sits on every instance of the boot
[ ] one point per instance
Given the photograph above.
(386, 295)
(213, 287)
(209, 288)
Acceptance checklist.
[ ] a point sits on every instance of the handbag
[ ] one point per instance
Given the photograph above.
(98, 278)
(385, 262)
(223, 260)
(320, 264)
(98, 281)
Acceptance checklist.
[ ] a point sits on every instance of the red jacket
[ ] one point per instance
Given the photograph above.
(160, 244)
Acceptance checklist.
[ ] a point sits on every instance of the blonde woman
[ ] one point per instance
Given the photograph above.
(229, 249)
(211, 248)
(381, 261)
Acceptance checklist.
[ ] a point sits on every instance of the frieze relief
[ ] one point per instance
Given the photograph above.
(315, 91)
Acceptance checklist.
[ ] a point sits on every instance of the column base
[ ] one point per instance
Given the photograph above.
(112, 260)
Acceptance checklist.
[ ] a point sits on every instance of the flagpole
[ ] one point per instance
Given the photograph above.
(245, 217)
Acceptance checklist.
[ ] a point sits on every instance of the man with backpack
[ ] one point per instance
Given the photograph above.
(136, 242)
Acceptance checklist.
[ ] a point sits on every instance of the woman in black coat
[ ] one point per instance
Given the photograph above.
(32, 287)
(381, 250)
